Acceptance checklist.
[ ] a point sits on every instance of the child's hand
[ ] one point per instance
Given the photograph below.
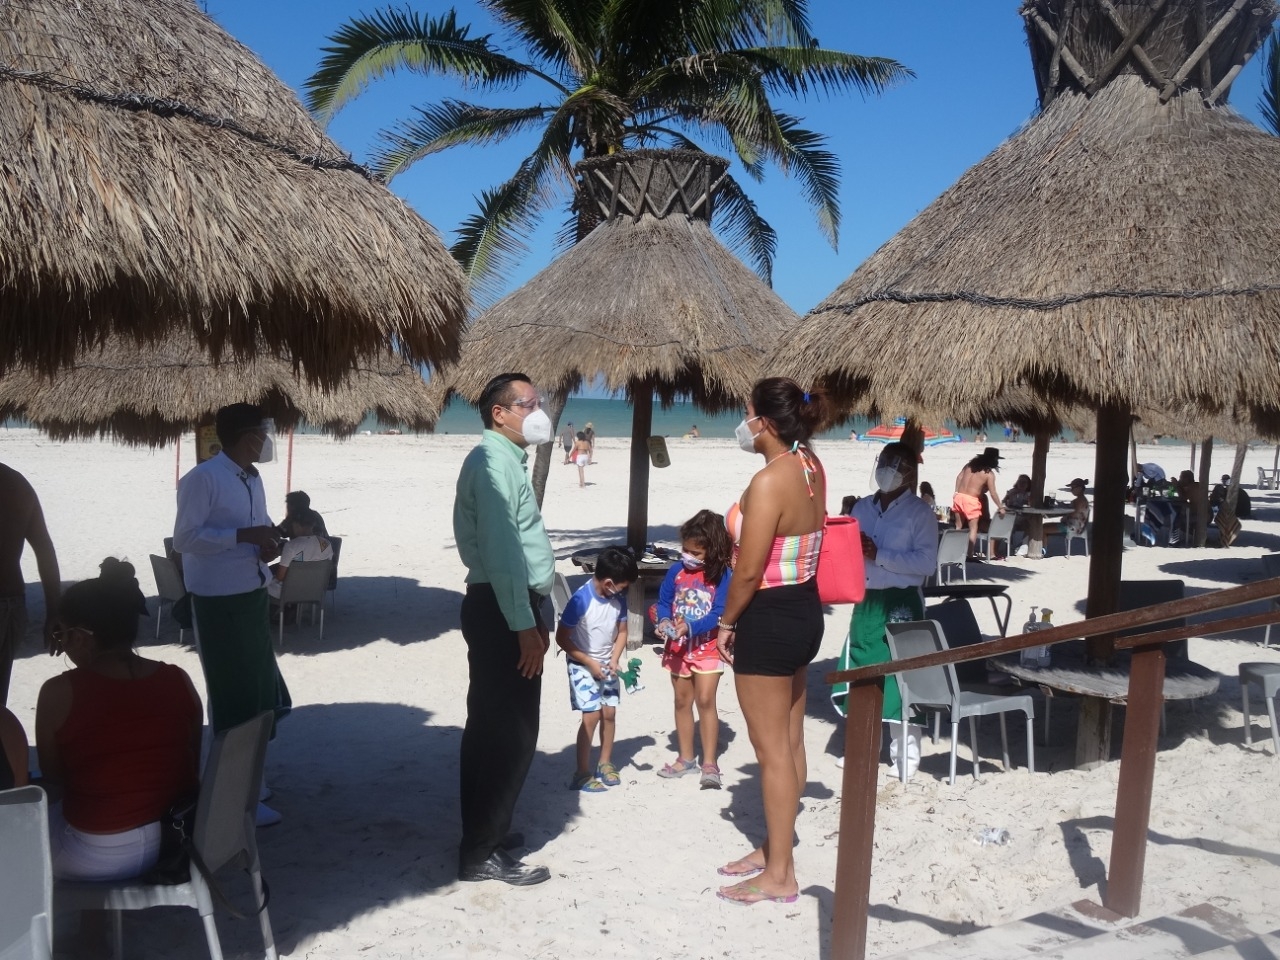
(597, 671)
(613, 667)
(665, 629)
(681, 629)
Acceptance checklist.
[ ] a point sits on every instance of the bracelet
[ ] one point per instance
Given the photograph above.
(726, 626)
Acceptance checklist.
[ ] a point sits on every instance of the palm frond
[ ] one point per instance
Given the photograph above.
(727, 24)
(564, 33)
(1269, 102)
(450, 123)
(799, 153)
(801, 70)
(368, 47)
(747, 233)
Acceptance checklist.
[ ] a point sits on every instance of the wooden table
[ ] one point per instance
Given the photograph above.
(1035, 532)
(1069, 673)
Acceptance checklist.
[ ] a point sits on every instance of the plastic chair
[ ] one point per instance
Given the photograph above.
(561, 592)
(305, 583)
(953, 550)
(1000, 528)
(224, 834)
(169, 587)
(1267, 677)
(336, 544)
(26, 880)
(1270, 570)
(1083, 536)
(1265, 481)
(937, 688)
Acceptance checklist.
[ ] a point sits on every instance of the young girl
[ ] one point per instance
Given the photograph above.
(689, 606)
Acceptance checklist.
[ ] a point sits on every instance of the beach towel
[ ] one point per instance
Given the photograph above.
(233, 638)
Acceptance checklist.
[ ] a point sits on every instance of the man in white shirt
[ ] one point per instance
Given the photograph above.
(226, 540)
(900, 549)
(304, 545)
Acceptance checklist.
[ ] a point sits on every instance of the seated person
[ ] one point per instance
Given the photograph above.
(13, 751)
(305, 544)
(927, 495)
(118, 736)
(1074, 523)
(294, 503)
(1244, 506)
(1189, 503)
(1019, 495)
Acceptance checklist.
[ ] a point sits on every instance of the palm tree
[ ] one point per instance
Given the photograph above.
(618, 74)
(1269, 102)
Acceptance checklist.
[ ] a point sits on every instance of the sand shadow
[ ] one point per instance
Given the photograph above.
(1216, 847)
(877, 911)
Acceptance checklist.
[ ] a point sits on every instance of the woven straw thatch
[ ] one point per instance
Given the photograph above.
(1118, 250)
(156, 175)
(650, 297)
(154, 394)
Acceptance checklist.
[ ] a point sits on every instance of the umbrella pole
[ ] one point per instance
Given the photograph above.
(1093, 734)
(1202, 498)
(1039, 471)
(288, 470)
(638, 497)
(177, 463)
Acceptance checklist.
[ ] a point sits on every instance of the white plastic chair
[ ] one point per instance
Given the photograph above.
(305, 583)
(561, 593)
(1083, 536)
(937, 688)
(1267, 677)
(169, 588)
(1000, 528)
(224, 834)
(1270, 570)
(953, 550)
(1265, 481)
(336, 544)
(26, 878)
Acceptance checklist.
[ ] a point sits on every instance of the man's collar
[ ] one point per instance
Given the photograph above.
(495, 437)
(228, 464)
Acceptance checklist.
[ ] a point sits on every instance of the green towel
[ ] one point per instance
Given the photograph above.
(866, 644)
(234, 640)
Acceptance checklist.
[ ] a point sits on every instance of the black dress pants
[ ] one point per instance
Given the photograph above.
(501, 734)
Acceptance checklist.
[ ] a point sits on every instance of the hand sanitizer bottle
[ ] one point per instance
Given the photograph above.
(1036, 656)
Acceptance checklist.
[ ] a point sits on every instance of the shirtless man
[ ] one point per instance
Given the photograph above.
(22, 522)
(978, 477)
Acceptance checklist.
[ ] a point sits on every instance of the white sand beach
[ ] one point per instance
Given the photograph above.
(365, 769)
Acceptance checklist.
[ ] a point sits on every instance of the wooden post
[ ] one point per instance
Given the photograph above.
(864, 706)
(638, 497)
(1137, 777)
(1039, 470)
(1093, 730)
(1201, 507)
(288, 470)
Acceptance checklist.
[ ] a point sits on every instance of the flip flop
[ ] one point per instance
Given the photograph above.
(756, 895)
(608, 774)
(681, 768)
(751, 871)
(586, 783)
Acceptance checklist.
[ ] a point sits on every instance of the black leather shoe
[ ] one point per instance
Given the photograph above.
(512, 841)
(502, 866)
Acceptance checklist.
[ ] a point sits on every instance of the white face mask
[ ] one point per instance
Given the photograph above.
(268, 452)
(746, 439)
(691, 562)
(536, 428)
(888, 479)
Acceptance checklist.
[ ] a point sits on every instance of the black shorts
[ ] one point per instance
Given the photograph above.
(780, 631)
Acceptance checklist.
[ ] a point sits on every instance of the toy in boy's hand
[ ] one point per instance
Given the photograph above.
(630, 677)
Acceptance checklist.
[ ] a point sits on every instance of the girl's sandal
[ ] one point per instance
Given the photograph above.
(681, 768)
(710, 777)
(586, 783)
(608, 774)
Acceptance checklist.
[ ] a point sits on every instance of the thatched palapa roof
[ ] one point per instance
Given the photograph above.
(152, 395)
(649, 297)
(1121, 249)
(156, 175)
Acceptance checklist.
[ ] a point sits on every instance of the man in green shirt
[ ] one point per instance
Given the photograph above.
(510, 567)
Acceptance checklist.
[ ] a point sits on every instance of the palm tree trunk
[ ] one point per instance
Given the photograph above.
(556, 400)
(1202, 499)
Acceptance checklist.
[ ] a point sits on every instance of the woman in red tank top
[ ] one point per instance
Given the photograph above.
(118, 736)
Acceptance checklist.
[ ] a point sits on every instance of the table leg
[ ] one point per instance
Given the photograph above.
(1093, 733)
(635, 614)
(1008, 612)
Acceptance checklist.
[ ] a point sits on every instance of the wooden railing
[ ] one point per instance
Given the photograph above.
(1137, 756)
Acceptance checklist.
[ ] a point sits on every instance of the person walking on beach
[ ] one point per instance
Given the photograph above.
(589, 431)
(593, 635)
(977, 477)
(900, 551)
(226, 540)
(582, 457)
(510, 569)
(22, 523)
(567, 436)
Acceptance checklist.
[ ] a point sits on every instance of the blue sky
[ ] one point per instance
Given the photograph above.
(973, 89)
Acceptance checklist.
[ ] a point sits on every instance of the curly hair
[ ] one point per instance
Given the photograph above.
(706, 528)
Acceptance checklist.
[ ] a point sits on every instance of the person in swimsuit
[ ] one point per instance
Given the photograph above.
(977, 477)
(772, 621)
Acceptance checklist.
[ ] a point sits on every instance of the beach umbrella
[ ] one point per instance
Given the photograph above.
(154, 394)
(1118, 253)
(649, 303)
(155, 175)
(892, 432)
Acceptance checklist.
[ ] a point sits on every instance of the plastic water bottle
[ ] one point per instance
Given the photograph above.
(1036, 656)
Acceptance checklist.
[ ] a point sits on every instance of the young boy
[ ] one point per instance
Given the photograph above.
(593, 635)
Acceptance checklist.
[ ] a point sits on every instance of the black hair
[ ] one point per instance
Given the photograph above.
(307, 518)
(297, 498)
(795, 413)
(903, 450)
(926, 489)
(108, 605)
(616, 564)
(235, 419)
(581, 435)
(706, 528)
(498, 393)
(984, 462)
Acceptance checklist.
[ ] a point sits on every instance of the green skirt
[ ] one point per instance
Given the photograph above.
(233, 636)
(866, 644)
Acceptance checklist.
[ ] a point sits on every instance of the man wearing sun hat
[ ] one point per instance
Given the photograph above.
(977, 477)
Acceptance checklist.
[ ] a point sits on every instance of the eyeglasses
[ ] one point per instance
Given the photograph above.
(62, 634)
(533, 403)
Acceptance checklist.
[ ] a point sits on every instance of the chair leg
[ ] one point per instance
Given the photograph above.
(211, 937)
(1031, 747)
(937, 725)
(321, 606)
(1266, 637)
(1048, 704)
(1004, 744)
(280, 636)
(159, 611)
(1271, 712)
(117, 934)
(264, 921)
(973, 744)
(1248, 720)
(955, 741)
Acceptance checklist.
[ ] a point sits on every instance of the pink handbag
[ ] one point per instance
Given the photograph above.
(842, 577)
